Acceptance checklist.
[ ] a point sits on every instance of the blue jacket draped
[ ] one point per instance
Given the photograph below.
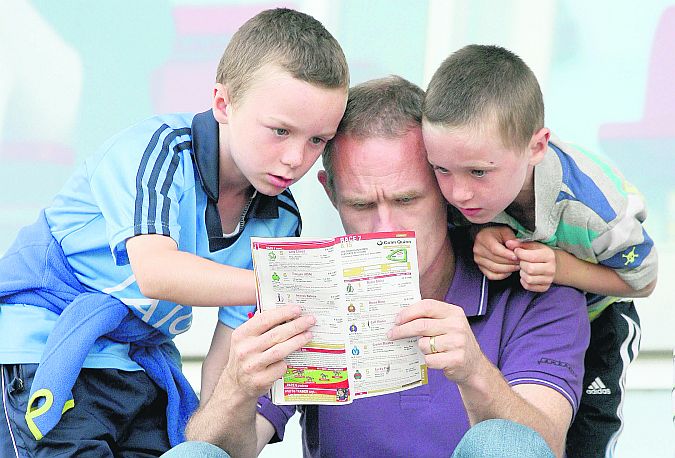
(35, 271)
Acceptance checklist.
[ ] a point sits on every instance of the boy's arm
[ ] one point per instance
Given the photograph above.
(215, 361)
(541, 265)
(594, 278)
(163, 272)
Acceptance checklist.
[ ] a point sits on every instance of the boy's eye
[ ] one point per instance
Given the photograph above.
(441, 170)
(279, 131)
(478, 173)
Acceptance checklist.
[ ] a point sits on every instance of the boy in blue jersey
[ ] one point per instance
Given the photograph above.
(555, 213)
(157, 221)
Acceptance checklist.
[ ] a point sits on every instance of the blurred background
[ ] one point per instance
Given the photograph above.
(72, 73)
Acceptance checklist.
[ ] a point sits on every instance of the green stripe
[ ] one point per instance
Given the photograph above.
(596, 309)
(575, 235)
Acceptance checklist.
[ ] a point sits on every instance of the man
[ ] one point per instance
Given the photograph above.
(495, 351)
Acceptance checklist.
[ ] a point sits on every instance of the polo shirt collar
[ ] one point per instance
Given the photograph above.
(206, 149)
(469, 287)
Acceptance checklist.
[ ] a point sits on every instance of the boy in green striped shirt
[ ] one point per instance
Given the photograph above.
(550, 211)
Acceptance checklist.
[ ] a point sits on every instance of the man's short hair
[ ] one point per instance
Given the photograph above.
(385, 108)
(294, 41)
(480, 84)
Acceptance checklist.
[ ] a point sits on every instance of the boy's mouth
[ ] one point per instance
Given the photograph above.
(470, 211)
(279, 181)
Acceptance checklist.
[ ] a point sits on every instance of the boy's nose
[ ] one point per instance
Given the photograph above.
(292, 157)
(461, 193)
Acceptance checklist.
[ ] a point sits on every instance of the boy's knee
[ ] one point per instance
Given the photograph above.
(499, 438)
(193, 449)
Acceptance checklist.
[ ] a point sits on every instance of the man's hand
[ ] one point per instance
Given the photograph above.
(484, 391)
(259, 346)
(256, 359)
(491, 253)
(537, 264)
(456, 351)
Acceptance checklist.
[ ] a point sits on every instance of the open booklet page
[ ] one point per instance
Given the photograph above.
(354, 286)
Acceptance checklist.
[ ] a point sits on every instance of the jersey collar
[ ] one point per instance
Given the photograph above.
(206, 150)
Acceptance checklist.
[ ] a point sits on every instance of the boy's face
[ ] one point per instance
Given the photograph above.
(276, 130)
(383, 184)
(476, 173)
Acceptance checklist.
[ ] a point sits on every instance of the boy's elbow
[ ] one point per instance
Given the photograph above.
(149, 287)
(647, 290)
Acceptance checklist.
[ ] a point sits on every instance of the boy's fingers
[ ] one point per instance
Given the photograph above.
(495, 250)
(535, 287)
(536, 279)
(514, 243)
(498, 268)
(535, 255)
(545, 269)
(494, 258)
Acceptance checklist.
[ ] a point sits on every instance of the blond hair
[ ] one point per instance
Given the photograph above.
(293, 41)
(482, 83)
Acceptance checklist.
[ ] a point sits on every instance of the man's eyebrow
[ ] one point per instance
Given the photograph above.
(353, 200)
(407, 194)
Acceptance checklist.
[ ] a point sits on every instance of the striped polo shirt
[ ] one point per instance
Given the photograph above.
(585, 206)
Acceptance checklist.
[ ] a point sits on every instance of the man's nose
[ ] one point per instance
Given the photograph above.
(385, 220)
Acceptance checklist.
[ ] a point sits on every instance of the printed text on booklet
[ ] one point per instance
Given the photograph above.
(354, 286)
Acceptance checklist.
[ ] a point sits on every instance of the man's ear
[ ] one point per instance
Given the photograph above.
(538, 145)
(323, 179)
(221, 103)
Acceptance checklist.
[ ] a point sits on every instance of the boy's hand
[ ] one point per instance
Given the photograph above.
(491, 253)
(260, 345)
(537, 264)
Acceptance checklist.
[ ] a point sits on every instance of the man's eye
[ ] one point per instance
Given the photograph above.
(317, 140)
(280, 132)
(405, 200)
(441, 170)
(478, 173)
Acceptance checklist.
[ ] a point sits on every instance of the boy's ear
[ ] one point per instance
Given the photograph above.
(323, 179)
(220, 103)
(538, 145)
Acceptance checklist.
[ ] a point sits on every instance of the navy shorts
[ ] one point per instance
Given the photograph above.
(116, 414)
(615, 343)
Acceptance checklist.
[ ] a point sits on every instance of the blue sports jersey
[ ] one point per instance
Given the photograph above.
(157, 177)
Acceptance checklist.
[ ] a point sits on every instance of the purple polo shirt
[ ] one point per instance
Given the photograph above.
(532, 338)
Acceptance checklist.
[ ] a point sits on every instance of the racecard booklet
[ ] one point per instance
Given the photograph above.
(354, 286)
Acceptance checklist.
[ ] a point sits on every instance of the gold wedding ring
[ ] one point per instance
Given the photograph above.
(432, 344)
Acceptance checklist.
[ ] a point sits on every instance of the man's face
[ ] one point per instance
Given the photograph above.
(277, 129)
(383, 184)
(476, 173)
